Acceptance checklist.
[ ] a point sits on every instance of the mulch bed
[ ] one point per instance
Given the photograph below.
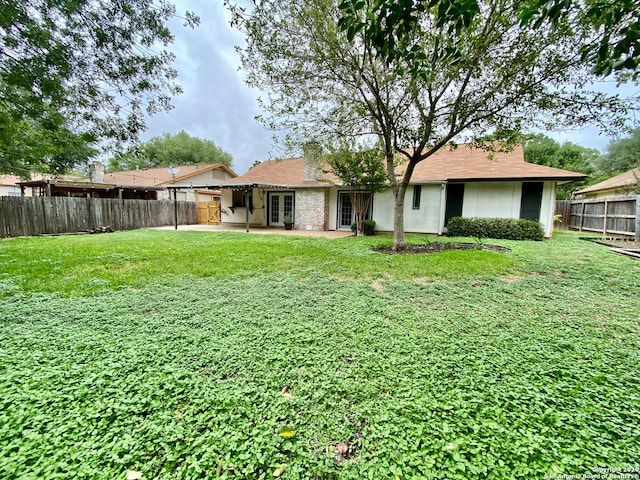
(438, 247)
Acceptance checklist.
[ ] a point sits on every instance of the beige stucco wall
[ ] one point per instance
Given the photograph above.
(238, 215)
(502, 200)
(426, 219)
(613, 193)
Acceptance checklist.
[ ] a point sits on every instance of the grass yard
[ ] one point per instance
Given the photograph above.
(182, 355)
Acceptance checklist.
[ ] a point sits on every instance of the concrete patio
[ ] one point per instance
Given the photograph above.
(261, 230)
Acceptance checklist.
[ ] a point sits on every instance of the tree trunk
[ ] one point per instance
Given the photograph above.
(399, 241)
(360, 225)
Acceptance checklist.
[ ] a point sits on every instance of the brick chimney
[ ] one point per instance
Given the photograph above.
(96, 172)
(312, 171)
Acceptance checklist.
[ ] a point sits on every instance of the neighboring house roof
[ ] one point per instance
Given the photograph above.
(161, 176)
(463, 163)
(13, 180)
(623, 181)
(10, 180)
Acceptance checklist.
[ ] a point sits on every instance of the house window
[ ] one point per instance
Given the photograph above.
(239, 199)
(417, 192)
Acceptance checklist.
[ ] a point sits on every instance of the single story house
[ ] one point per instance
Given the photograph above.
(183, 179)
(461, 181)
(619, 186)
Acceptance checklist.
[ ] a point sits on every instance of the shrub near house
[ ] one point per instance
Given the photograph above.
(504, 228)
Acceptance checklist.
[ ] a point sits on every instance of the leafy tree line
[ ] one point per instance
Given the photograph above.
(170, 150)
(620, 155)
(78, 74)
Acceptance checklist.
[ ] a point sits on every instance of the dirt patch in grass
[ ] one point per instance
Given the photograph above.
(438, 247)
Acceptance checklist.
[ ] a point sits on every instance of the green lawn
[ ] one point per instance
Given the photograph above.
(195, 355)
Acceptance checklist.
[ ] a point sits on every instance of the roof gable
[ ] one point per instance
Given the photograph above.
(161, 176)
(624, 180)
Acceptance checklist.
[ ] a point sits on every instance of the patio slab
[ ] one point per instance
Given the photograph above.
(261, 230)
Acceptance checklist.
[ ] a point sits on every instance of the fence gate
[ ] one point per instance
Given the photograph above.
(209, 212)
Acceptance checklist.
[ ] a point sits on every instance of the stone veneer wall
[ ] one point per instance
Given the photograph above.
(312, 208)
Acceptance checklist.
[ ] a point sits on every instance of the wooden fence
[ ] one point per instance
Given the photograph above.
(26, 216)
(614, 216)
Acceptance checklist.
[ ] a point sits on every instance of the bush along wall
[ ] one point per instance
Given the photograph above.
(505, 228)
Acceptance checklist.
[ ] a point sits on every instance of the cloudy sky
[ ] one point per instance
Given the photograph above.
(218, 106)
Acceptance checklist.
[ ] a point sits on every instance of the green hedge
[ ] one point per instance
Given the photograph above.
(369, 227)
(506, 228)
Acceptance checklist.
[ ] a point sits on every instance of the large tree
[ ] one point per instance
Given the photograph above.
(100, 66)
(493, 75)
(543, 150)
(170, 150)
(621, 154)
(41, 144)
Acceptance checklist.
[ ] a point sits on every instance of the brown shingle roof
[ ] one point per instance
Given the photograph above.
(288, 171)
(160, 176)
(467, 163)
(624, 180)
(458, 164)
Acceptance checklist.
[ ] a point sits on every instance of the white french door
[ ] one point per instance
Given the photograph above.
(280, 206)
(346, 212)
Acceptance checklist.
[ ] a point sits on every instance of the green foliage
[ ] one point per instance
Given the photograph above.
(622, 154)
(171, 150)
(611, 43)
(265, 371)
(361, 171)
(614, 43)
(369, 227)
(540, 149)
(358, 169)
(505, 228)
(42, 145)
(100, 66)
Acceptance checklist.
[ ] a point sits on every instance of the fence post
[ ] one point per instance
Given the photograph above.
(604, 223)
(637, 218)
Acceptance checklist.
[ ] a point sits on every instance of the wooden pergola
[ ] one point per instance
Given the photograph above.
(52, 188)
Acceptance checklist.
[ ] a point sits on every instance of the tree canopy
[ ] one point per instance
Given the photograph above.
(621, 154)
(86, 70)
(610, 40)
(361, 172)
(500, 76)
(170, 150)
(543, 150)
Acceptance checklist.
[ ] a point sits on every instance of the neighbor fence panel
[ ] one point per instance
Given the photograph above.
(613, 216)
(25, 216)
